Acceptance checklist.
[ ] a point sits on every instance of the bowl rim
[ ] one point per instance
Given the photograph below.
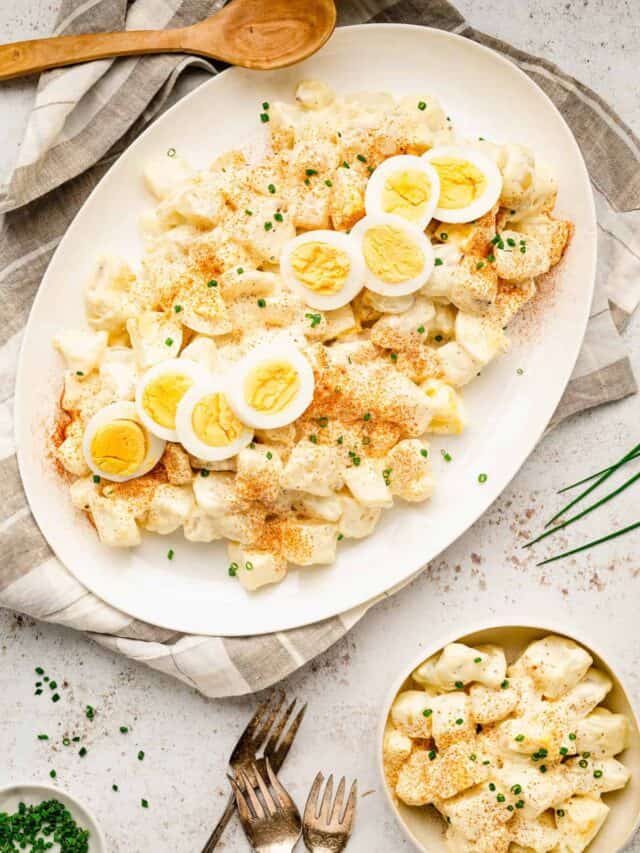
(97, 843)
(456, 636)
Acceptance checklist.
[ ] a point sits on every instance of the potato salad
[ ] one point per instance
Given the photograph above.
(515, 758)
(298, 326)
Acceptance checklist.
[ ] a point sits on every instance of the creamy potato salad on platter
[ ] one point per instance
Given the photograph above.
(515, 757)
(297, 328)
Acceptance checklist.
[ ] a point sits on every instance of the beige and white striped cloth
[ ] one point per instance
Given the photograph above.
(83, 117)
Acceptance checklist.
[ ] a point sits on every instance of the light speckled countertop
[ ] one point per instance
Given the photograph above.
(186, 738)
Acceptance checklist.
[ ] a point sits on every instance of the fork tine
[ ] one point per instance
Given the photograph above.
(277, 759)
(243, 807)
(311, 808)
(325, 806)
(256, 805)
(282, 797)
(264, 790)
(336, 812)
(277, 731)
(262, 733)
(350, 811)
(254, 722)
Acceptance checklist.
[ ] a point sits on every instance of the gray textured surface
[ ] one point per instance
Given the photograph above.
(186, 738)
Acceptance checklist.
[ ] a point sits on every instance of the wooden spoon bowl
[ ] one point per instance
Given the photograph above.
(262, 34)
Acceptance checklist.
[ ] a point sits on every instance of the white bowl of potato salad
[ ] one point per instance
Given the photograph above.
(512, 740)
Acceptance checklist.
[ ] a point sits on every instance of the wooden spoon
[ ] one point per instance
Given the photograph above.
(253, 33)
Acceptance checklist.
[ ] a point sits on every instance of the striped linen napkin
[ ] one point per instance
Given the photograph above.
(82, 119)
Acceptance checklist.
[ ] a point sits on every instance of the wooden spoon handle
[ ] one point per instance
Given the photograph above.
(28, 57)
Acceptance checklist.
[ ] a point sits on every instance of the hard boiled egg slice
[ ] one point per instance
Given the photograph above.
(470, 183)
(398, 258)
(324, 268)
(207, 426)
(407, 186)
(117, 446)
(159, 391)
(271, 386)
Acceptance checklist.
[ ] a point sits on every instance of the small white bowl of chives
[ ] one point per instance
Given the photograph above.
(35, 795)
(425, 827)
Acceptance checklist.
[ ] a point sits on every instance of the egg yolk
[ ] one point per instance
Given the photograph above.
(119, 447)
(321, 267)
(406, 193)
(161, 397)
(272, 386)
(213, 421)
(391, 254)
(461, 183)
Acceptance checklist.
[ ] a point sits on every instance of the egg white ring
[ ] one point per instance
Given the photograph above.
(236, 382)
(385, 288)
(184, 424)
(375, 186)
(324, 301)
(122, 410)
(195, 371)
(484, 202)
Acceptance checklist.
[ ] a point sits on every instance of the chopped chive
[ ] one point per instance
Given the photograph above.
(572, 736)
(168, 342)
(264, 117)
(519, 738)
(144, 803)
(424, 452)
(43, 737)
(477, 660)
(53, 685)
(204, 472)
(79, 372)
(271, 188)
(492, 786)
(505, 684)
(124, 730)
(367, 416)
(427, 712)
(170, 554)
(233, 570)
(340, 536)
(53, 774)
(278, 217)
(171, 152)
(90, 712)
(482, 478)
(444, 236)
(459, 685)
(269, 454)
(328, 183)
(446, 456)
(240, 270)
(479, 265)
(438, 262)
(212, 283)
(249, 212)
(268, 226)
(141, 756)
(82, 751)
(66, 741)
(421, 330)
(177, 308)
(597, 774)
(432, 755)
(520, 804)
(501, 798)
(491, 258)
(55, 697)
(519, 371)
(361, 157)
(114, 788)
(262, 303)
(459, 721)
(310, 172)
(422, 105)
(583, 762)
(560, 813)
(39, 670)
(511, 241)
(265, 105)
(96, 478)
(345, 165)
(313, 438)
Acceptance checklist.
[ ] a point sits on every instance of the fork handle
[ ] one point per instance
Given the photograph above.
(222, 824)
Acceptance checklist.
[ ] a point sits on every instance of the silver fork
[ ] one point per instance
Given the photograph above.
(251, 742)
(274, 827)
(327, 829)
